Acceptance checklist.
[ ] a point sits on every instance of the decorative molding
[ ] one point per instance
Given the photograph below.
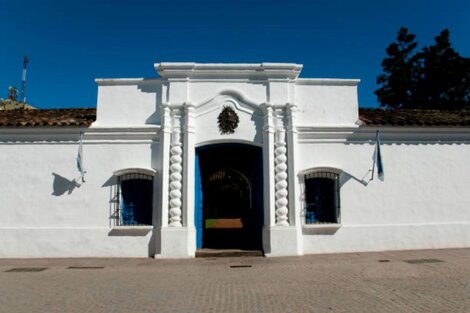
(92, 135)
(189, 118)
(122, 134)
(127, 81)
(135, 170)
(388, 135)
(291, 110)
(228, 97)
(181, 70)
(315, 169)
(165, 118)
(268, 111)
(173, 105)
(327, 82)
(229, 140)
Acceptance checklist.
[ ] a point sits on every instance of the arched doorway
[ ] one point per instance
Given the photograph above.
(229, 197)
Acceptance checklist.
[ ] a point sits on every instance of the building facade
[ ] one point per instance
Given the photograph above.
(230, 156)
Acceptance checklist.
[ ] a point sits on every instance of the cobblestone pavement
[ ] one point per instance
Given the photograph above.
(406, 281)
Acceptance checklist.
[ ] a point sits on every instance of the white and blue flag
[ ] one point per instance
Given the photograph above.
(80, 159)
(378, 158)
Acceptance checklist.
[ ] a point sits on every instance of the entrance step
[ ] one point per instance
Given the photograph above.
(219, 253)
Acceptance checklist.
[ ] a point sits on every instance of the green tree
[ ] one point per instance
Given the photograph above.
(437, 77)
(444, 78)
(397, 82)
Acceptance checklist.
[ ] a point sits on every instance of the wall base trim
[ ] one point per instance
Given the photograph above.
(281, 241)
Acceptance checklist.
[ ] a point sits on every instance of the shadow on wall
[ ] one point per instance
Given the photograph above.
(150, 86)
(111, 183)
(364, 180)
(61, 185)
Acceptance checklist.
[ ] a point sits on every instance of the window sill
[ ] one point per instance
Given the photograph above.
(320, 229)
(142, 230)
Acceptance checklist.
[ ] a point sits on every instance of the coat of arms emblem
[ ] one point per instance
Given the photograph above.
(228, 121)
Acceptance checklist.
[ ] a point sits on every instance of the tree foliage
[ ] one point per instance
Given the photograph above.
(398, 79)
(436, 77)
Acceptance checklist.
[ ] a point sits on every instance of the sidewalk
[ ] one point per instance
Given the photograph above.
(398, 281)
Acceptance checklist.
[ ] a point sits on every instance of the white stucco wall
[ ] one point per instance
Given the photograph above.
(128, 102)
(422, 203)
(45, 214)
(324, 102)
(321, 102)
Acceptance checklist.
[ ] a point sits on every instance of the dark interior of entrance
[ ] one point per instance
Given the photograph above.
(229, 196)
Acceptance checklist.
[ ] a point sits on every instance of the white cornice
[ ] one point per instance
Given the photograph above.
(126, 81)
(34, 135)
(327, 82)
(150, 133)
(179, 70)
(137, 134)
(91, 135)
(324, 134)
(120, 128)
(388, 135)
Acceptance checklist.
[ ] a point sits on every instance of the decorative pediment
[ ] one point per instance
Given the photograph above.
(227, 98)
(228, 116)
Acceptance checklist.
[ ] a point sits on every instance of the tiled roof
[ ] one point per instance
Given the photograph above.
(369, 117)
(48, 118)
(416, 118)
(10, 104)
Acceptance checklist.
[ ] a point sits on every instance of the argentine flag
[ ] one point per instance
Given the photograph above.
(80, 159)
(378, 158)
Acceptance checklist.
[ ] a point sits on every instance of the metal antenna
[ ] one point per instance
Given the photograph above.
(23, 79)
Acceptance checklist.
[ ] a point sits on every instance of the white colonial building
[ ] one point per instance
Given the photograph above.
(230, 156)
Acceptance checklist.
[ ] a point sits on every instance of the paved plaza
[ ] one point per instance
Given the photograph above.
(405, 281)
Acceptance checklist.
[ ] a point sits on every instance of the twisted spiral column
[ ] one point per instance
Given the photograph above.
(280, 170)
(175, 180)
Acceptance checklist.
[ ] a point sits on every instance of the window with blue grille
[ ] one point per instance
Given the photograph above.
(322, 198)
(136, 193)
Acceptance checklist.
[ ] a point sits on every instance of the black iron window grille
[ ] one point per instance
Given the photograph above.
(133, 200)
(322, 198)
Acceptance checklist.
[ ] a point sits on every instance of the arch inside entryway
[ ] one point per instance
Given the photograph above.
(229, 196)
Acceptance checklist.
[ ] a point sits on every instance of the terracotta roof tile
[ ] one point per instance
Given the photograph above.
(416, 118)
(48, 118)
(369, 117)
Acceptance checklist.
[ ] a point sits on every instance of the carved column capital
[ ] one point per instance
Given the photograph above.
(268, 110)
(188, 109)
(291, 110)
(166, 118)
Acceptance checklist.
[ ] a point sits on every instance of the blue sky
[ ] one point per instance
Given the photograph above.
(70, 43)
